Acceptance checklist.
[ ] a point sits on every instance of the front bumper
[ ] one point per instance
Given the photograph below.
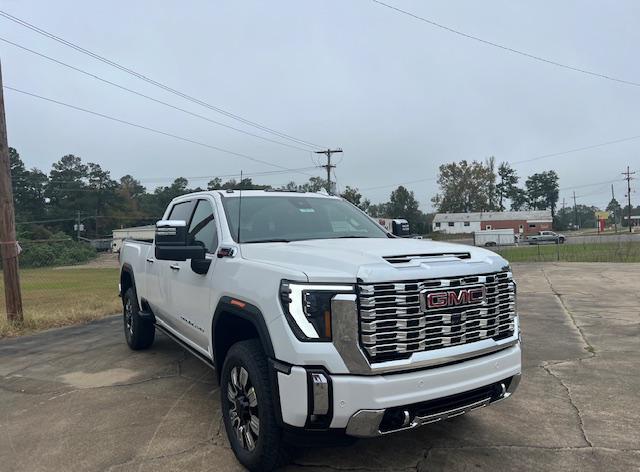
(362, 404)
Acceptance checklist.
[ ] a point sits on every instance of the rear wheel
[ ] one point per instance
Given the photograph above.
(248, 409)
(138, 332)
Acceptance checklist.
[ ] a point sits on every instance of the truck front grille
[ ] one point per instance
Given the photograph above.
(396, 320)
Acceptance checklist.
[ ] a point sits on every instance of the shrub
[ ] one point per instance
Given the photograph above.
(56, 252)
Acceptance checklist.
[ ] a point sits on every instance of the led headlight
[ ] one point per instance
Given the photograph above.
(308, 308)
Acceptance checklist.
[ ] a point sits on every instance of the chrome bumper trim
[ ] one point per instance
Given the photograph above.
(366, 423)
(513, 386)
(320, 391)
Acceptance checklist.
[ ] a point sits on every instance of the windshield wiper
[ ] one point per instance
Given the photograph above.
(353, 236)
(275, 240)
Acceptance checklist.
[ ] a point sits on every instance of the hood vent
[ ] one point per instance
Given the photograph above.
(434, 256)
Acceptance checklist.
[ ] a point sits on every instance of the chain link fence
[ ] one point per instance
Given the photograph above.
(600, 251)
(62, 282)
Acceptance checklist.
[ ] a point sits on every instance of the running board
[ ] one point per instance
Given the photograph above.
(185, 346)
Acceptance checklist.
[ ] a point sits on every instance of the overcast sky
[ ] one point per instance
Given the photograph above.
(398, 95)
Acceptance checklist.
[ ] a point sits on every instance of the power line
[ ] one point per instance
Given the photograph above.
(543, 156)
(589, 185)
(507, 48)
(153, 130)
(429, 179)
(154, 82)
(161, 102)
(570, 151)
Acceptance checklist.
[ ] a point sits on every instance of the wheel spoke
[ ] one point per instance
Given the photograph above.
(235, 419)
(248, 439)
(255, 425)
(234, 378)
(231, 392)
(244, 376)
(251, 396)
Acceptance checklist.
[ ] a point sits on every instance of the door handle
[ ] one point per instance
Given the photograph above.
(175, 267)
(150, 261)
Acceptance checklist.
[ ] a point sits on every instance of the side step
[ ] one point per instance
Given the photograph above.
(185, 346)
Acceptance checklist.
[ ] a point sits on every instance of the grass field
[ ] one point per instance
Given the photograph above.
(60, 297)
(588, 252)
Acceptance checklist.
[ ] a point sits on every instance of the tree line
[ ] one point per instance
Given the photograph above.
(478, 186)
(50, 203)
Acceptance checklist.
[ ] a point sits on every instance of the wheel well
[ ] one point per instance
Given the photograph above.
(230, 329)
(126, 282)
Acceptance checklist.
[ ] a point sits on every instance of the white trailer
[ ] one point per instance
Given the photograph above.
(138, 233)
(494, 237)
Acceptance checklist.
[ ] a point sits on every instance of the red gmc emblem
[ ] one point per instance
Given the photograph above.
(454, 297)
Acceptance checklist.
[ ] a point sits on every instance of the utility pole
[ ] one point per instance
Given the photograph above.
(78, 226)
(628, 178)
(575, 210)
(329, 166)
(8, 243)
(615, 220)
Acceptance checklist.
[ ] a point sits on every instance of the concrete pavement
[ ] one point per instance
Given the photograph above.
(78, 399)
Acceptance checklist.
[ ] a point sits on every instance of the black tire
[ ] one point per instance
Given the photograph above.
(246, 397)
(138, 332)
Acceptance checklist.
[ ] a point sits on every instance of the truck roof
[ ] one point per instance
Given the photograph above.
(255, 193)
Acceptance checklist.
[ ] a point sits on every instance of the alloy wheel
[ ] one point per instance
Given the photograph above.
(128, 317)
(243, 408)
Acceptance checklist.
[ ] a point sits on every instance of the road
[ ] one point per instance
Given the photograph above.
(77, 398)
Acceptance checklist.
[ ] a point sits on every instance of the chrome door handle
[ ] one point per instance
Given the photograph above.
(175, 267)
(150, 261)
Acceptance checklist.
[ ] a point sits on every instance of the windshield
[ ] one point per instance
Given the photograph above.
(293, 218)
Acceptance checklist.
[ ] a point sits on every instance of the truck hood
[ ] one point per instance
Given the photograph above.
(374, 259)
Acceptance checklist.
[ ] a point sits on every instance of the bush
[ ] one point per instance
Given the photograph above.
(56, 252)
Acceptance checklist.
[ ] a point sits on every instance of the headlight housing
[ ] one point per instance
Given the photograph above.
(307, 308)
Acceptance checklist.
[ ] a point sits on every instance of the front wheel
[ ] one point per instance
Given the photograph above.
(248, 408)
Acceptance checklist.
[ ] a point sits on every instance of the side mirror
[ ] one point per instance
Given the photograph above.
(171, 242)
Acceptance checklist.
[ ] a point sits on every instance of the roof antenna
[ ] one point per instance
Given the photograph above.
(240, 207)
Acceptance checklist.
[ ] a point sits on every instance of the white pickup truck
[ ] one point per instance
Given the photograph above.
(318, 322)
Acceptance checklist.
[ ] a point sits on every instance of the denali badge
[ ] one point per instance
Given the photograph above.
(435, 299)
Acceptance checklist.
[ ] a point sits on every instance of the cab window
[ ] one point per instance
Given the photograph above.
(181, 211)
(202, 229)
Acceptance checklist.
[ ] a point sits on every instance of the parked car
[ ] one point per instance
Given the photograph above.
(542, 237)
(318, 322)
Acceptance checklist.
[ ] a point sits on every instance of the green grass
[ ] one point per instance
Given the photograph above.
(61, 297)
(588, 252)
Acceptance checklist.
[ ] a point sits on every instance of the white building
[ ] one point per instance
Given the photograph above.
(522, 222)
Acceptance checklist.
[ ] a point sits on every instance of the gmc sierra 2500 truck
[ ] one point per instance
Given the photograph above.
(318, 321)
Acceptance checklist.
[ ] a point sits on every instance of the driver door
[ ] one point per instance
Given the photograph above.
(190, 292)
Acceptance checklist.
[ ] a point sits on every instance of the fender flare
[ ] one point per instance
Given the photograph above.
(246, 312)
(127, 269)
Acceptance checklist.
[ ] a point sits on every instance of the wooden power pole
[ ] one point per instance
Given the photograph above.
(628, 178)
(8, 243)
(329, 166)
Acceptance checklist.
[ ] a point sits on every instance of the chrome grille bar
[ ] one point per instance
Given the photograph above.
(393, 325)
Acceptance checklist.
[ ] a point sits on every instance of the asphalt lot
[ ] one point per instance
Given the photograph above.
(78, 399)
